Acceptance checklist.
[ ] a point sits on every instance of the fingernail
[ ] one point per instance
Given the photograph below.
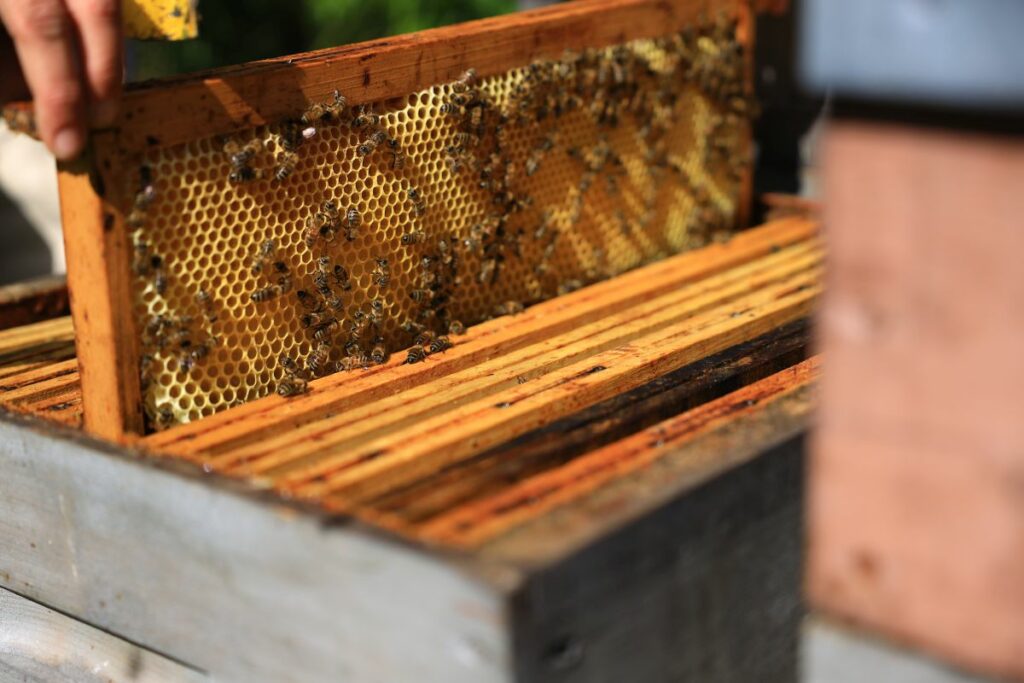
(67, 143)
(104, 113)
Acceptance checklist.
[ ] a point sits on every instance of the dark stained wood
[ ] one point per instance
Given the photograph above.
(33, 301)
(566, 439)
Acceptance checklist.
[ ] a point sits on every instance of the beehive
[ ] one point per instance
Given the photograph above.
(567, 172)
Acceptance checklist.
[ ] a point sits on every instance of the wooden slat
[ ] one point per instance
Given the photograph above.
(29, 336)
(346, 390)
(398, 458)
(560, 442)
(172, 111)
(29, 302)
(98, 251)
(470, 524)
(37, 374)
(410, 403)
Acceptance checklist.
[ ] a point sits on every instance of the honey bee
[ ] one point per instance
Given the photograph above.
(162, 417)
(349, 363)
(488, 271)
(325, 331)
(320, 282)
(439, 345)
(290, 136)
(417, 202)
(317, 358)
(140, 258)
(291, 367)
(353, 348)
(379, 354)
(397, 160)
(205, 302)
(424, 337)
(293, 386)
(371, 143)
(335, 303)
(419, 295)
(240, 158)
(264, 255)
(381, 275)
(377, 312)
(358, 324)
(341, 278)
(145, 197)
(466, 81)
(366, 117)
(532, 164)
(266, 294)
(352, 222)
(160, 279)
(569, 286)
(414, 237)
(456, 327)
(286, 163)
(509, 308)
(312, 319)
(416, 355)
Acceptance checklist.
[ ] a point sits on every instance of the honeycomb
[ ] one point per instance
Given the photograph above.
(482, 196)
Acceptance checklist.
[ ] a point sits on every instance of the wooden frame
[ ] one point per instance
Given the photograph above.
(174, 111)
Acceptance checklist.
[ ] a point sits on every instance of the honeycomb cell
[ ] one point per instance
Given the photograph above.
(519, 187)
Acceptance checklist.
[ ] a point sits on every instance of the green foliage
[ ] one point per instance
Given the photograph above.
(234, 32)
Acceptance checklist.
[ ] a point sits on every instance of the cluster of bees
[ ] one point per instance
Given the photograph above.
(484, 148)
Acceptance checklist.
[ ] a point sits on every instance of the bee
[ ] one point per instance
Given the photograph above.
(353, 348)
(140, 258)
(334, 303)
(266, 294)
(265, 254)
(417, 202)
(291, 367)
(320, 282)
(411, 327)
(366, 118)
(569, 286)
(466, 81)
(286, 163)
(414, 237)
(293, 386)
(163, 416)
(160, 279)
(439, 345)
(419, 295)
(312, 319)
(424, 338)
(377, 312)
(416, 354)
(358, 324)
(317, 358)
(205, 302)
(532, 164)
(240, 156)
(397, 160)
(290, 138)
(341, 278)
(353, 362)
(381, 275)
(488, 271)
(456, 327)
(352, 222)
(145, 197)
(371, 143)
(326, 330)
(509, 308)
(379, 354)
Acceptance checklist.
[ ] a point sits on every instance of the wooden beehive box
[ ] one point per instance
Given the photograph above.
(660, 351)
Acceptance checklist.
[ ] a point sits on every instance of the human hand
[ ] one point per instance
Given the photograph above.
(67, 54)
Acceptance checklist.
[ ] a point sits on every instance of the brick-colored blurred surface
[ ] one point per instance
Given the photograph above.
(917, 475)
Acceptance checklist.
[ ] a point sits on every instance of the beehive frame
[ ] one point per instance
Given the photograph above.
(177, 111)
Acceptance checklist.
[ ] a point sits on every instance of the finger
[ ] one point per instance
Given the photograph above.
(99, 33)
(48, 51)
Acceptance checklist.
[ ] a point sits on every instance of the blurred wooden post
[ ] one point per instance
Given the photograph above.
(917, 475)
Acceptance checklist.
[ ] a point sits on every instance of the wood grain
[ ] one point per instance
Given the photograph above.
(917, 508)
(99, 256)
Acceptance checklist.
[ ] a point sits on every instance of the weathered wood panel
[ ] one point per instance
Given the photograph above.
(917, 516)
